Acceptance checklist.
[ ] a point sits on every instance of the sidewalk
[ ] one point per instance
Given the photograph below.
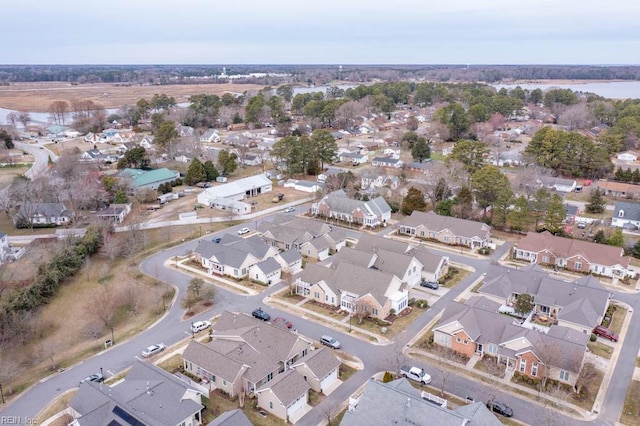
(235, 287)
(325, 320)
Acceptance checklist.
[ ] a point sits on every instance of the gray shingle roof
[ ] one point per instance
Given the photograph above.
(231, 418)
(29, 210)
(436, 223)
(288, 387)
(268, 266)
(631, 211)
(148, 393)
(430, 261)
(479, 414)
(372, 243)
(398, 402)
(290, 256)
(232, 250)
(339, 202)
(321, 362)
(212, 361)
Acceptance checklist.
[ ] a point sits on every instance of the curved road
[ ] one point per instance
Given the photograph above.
(170, 329)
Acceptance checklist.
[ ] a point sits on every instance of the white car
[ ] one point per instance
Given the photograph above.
(153, 349)
(289, 209)
(200, 325)
(243, 231)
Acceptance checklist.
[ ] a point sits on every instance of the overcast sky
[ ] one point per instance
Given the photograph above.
(321, 32)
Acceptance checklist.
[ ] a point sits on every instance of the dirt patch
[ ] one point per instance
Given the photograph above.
(36, 97)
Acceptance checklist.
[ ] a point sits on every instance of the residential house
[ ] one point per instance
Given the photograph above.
(386, 162)
(95, 138)
(398, 402)
(95, 156)
(446, 229)
(185, 131)
(4, 246)
(290, 261)
(626, 215)
(286, 396)
(579, 304)
(477, 328)
(251, 159)
(210, 136)
(337, 205)
(42, 214)
(403, 266)
(182, 158)
(303, 185)
(434, 266)
(353, 289)
(627, 156)
(425, 166)
(311, 238)
(237, 126)
(618, 189)
(123, 136)
(257, 358)
(266, 272)
(115, 212)
(238, 190)
(573, 254)
(320, 369)
(232, 256)
(143, 179)
(147, 142)
(572, 213)
(354, 158)
(147, 395)
(558, 184)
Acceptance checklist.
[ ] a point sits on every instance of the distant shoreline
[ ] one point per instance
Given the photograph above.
(560, 82)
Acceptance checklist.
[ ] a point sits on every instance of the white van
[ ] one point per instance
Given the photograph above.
(199, 326)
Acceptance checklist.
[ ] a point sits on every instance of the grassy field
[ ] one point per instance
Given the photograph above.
(68, 329)
(600, 349)
(37, 97)
(618, 319)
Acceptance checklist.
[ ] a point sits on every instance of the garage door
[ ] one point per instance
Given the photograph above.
(329, 380)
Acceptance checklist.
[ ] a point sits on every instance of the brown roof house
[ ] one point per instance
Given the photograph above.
(575, 255)
(148, 395)
(337, 205)
(252, 357)
(477, 328)
(446, 229)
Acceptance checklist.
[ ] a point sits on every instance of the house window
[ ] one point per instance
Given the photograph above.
(621, 213)
(564, 376)
(304, 352)
(544, 309)
(443, 339)
(493, 349)
(224, 383)
(269, 377)
(545, 259)
(374, 311)
(446, 239)
(534, 369)
(523, 365)
(316, 295)
(271, 405)
(578, 265)
(235, 272)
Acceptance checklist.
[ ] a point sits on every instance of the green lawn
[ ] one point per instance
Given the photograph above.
(618, 318)
(456, 278)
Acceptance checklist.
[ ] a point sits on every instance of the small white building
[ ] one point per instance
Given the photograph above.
(267, 272)
(251, 186)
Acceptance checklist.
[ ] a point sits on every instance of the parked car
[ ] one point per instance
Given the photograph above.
(199, 326)
(330, 341)
(260, 314)
(289, 209)
(284, 320)
(153, 349)
(415, 373)
(217, 240)
(582, 225)
(93, 378)
(244, 230)
(606, 333)
(430, 284)
(500, 408)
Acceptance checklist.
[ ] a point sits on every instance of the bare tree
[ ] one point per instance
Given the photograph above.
(12, 119)
(24, 118)
(189, 301)
(102, 306)
(9, 369)
(588, 373)
(58, 112)
(445, 359)
(578, 116)
(363, 308)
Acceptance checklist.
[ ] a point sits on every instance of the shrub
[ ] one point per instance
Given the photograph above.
(388, 377)
(411, 301)
(593, 337)
(422, 304)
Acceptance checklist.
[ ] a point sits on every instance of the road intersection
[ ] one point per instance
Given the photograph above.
(375, 358)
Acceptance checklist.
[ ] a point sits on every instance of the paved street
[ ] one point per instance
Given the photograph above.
(170, 329)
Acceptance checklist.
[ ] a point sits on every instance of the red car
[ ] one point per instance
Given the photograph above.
(284, 320)
(606, 333)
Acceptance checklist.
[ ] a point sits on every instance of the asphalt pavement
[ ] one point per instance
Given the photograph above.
(171, 329)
